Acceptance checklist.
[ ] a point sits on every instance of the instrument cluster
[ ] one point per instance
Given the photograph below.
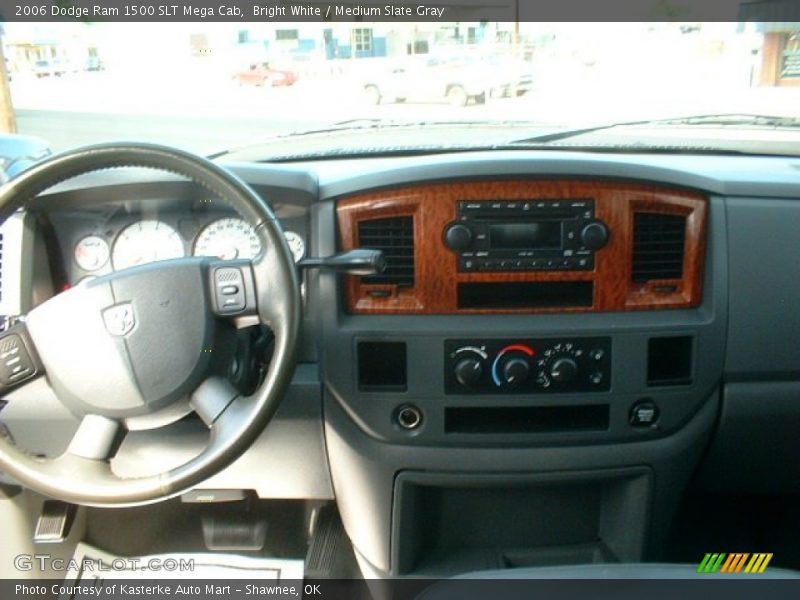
(114, 246)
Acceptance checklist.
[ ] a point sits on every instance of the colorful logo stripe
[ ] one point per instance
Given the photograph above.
(734, 562)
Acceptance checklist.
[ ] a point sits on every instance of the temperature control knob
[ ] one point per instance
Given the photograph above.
(458, 237)
(594, 235)
(468, 371)
(563, 370)
(516, 371)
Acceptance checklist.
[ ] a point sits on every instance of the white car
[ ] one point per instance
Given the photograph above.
(453, 80)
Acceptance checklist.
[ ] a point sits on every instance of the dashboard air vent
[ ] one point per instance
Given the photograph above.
(658, 246)
(395, 237)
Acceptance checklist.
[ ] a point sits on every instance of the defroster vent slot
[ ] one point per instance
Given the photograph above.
(395, 237)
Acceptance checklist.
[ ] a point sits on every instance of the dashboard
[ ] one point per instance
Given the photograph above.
(560, 343)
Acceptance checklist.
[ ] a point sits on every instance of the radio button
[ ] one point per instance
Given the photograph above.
(458, 237)
(594, 235)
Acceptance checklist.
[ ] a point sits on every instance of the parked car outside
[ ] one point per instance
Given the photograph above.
(456, 80)
(262, 74)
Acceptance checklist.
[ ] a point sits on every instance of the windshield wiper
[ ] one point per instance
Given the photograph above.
(724, 119)
(376, 126)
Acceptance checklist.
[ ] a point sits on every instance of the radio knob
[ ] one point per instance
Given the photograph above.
(516, 371)
(468, 371)
(564, 370)
(594, 235)
(458, 237)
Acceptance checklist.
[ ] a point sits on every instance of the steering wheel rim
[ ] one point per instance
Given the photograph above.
(87, 479)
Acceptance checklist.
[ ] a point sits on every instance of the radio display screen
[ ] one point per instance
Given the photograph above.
(532, 234)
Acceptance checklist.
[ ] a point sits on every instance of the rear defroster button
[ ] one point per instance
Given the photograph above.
(644, 414)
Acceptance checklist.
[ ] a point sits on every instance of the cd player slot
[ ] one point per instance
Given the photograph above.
(525, 294)
(518, 218)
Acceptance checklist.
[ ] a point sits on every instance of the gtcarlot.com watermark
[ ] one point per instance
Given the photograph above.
(45, 562)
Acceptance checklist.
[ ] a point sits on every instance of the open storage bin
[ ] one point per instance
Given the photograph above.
(446, 523)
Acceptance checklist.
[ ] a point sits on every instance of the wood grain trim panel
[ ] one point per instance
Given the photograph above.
(432, 207)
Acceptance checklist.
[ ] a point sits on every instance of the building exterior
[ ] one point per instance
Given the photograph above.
(780, 64)
(27, 47)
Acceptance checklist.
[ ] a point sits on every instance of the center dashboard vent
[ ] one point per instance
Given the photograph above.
(395, 237)
(658, 246)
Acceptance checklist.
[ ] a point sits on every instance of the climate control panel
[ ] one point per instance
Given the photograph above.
(527, 366)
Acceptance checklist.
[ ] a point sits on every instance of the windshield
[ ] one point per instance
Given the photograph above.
(215, 87)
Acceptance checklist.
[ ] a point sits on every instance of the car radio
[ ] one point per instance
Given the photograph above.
(526, 235)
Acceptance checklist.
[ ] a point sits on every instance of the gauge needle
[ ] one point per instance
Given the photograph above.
(231, 253)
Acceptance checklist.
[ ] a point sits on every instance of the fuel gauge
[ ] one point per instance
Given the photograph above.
(91, 253)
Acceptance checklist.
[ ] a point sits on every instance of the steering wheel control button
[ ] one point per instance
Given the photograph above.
(229, 290)
(15, 362)
(644, 414)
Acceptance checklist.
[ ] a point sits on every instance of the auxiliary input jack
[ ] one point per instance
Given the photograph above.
(409, 417)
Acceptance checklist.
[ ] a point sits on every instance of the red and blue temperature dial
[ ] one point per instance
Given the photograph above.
(511, 366)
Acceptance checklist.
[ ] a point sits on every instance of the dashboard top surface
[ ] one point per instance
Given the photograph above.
(304, 183)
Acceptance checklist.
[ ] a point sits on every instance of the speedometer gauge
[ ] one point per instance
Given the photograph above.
(228, 239)
(144, 242)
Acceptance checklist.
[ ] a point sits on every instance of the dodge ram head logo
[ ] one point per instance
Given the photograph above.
(119, 319)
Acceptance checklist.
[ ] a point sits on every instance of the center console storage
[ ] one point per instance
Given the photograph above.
(449, 522)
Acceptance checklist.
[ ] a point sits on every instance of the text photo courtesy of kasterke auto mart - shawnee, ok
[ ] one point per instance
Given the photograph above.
(410, 300)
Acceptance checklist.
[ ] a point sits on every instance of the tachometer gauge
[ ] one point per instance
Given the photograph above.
(296, 245)
(91, 253)
(227, 239)
(144, 242)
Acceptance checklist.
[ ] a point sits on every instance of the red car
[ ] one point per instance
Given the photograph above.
(260, 74)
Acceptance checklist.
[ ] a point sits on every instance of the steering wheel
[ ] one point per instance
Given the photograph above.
(134, 343)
